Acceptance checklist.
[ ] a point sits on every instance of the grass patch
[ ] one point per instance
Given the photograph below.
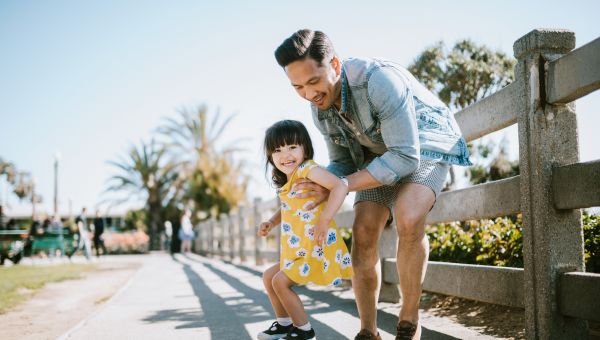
(17, 283)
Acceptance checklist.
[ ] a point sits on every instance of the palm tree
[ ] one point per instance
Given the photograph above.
(216, 181)
(146, 175)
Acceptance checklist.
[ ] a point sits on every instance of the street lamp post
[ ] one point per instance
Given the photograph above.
(56, 159)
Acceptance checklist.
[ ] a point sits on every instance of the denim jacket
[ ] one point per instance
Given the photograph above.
(390, 107)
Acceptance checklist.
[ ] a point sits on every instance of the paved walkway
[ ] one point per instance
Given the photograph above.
(193, 297)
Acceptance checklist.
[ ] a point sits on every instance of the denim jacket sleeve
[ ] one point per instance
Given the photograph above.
(392, 103)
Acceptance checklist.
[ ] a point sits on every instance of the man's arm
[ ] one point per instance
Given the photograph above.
(395, 108)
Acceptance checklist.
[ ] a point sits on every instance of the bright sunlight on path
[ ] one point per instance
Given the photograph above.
(193, 297)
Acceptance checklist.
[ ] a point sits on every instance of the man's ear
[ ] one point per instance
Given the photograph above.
(337, 65)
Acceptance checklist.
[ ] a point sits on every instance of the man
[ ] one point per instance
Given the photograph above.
(98, 231)
(82, 230)
(395, 141)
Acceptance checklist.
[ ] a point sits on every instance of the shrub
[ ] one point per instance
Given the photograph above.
(131, 242)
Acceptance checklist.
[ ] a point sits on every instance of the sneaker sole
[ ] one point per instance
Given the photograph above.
(263, 336)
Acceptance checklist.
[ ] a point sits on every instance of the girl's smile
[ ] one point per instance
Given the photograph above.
(288, 157)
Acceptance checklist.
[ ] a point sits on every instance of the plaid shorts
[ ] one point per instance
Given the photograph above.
(431, 174)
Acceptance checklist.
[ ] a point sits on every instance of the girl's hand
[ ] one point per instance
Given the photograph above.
(321, 234)
(264, 229)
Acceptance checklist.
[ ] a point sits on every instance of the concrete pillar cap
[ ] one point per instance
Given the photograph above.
(544, 39)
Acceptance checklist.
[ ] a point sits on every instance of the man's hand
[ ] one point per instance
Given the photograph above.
(309, 188)
(264, 229)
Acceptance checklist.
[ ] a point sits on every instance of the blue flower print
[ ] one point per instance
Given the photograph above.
(331, 236)
(307, 216)
(336, 282)
(309, 231)
(318, 252)
(338, 256)
(346, 261)
(293, 241)
(286, 228)
(287, 264)
(292, 194)
(304, 269)
(285, 206)
(301, 252)
(325, 265)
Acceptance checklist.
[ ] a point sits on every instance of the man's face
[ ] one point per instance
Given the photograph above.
(319, 84)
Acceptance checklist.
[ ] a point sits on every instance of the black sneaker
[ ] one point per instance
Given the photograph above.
(276, 331)
(298, 334)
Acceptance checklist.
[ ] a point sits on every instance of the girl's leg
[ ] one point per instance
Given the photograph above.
(268, 283)
(289, 299)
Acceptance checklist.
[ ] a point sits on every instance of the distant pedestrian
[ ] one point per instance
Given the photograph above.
(168, 234)
(186, 231)
(98, 231)
(82, 230)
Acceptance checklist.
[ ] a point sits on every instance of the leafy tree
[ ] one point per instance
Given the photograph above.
(145, 174)
(215, 180)
(20, 181)
(463, 75)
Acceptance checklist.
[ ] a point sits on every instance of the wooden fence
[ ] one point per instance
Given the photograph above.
(557, 294)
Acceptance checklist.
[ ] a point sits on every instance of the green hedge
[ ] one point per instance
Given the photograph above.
(499, 242)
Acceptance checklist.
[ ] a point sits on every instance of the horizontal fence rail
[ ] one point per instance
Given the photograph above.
(580, 295)
(575, 74)
(486, 200)
(490, 114)
(497, 285)
(577, 185)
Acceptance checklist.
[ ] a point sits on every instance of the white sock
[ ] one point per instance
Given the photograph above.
(284, 321)
(306, 327)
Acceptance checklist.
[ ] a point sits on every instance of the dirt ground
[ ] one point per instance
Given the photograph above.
(58, 307)
(494, 320)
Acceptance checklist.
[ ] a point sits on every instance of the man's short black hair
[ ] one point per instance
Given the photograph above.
(305, 43)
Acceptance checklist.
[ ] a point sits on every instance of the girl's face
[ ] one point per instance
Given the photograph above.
(288, 157)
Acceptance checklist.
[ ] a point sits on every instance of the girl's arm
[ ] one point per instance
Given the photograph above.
(276, 218)
(338, 191)
(265, 227)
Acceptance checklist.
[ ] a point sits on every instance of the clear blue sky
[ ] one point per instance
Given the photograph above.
(89, 78)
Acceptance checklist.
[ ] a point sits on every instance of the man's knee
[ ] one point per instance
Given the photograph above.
(364, 247)
(410, 226)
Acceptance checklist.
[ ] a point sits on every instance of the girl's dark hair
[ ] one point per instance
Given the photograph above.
(285, 132)
(303, 43)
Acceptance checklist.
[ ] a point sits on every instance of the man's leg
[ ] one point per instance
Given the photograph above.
(368, 224)
(412, 205)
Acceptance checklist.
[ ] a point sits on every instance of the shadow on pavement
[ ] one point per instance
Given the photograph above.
(215, 314)
(322, 302)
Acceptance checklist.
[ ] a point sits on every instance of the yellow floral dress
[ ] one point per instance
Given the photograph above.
(302, 260)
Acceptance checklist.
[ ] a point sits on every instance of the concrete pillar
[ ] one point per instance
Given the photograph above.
(259, 243)
(242, 222)
(223, 235)
(233, 235)
(212, 239)
(552, 239)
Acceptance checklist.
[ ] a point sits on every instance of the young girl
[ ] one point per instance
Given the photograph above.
(312, 249)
